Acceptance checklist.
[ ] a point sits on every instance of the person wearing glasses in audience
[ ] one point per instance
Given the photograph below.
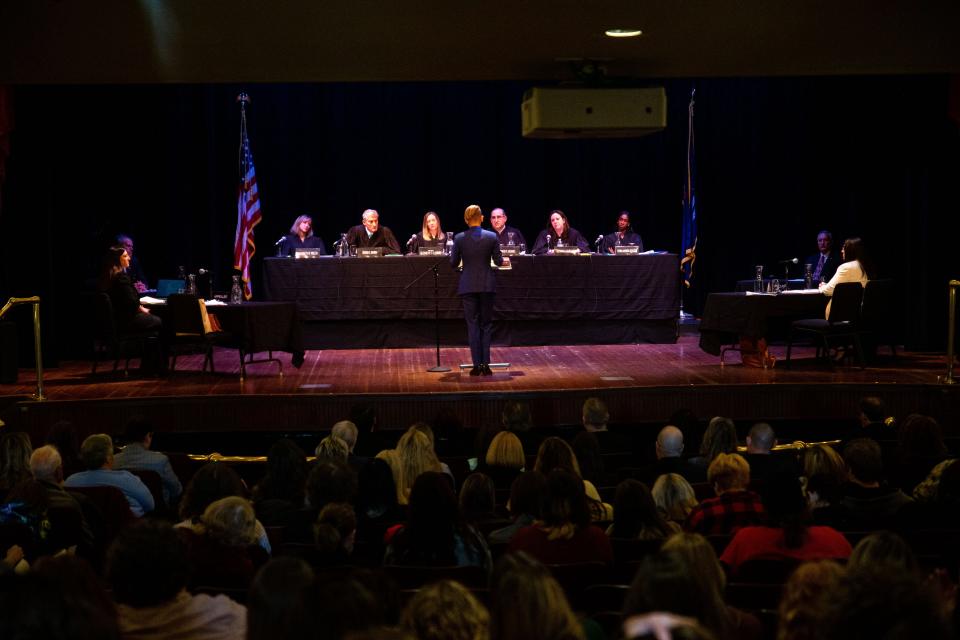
(431, 234)
(371, 234)
(624, 235)
(301, 237)
(498, 222)
(559, 233)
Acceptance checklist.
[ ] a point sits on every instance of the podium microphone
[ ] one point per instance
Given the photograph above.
(410, 241)
(789, 261)
(277, 243)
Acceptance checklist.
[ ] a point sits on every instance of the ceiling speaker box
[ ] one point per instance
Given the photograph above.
(593, 113)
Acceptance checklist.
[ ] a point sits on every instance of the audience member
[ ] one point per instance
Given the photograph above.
(427, 430)
(874, 421)
(478, 499)
(15, 450)
(825, 474)
(763, 462)
(527, 495)
(416, 456)
(96, 453)
(138, 436)
(330, 482)
(332, 448)
(278, 605)
(674, 497)
(436, 533)
(377, 507)
(802, 601)
(446, 610)
(734, 507)
(147, 570)
(720, 437)
(586, 449)
(869, 503)
(564, 534)
(595, 417)
(282, 490)
(392, 458)
(788, 535)
(504, 460)
(883, 549)
(636, 516)
(335, 533)
(554, 453)
(526, 602)
(347, 431)
(63, 435)
(669, 453)
(223, 551)
(68, 523)
(920, 449)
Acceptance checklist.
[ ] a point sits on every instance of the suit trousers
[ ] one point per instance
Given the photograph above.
(478, 311)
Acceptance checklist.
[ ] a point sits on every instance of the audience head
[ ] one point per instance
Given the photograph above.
(472, 215)
(211, 482)
(822, 459)
(595, 415)
(335, 528)
(96, 452)
(231, 521)
(921, 437)
(346, 431)
(516, 416)
(761, 438)
(332, 448)
(786, 507)
(392, 458)
(434, 517)
(138, 430)
(416, 454)
(674, 496)
(872, 410)
(15, 451)
(669, 442)
(286, 476)
(802, 600)
(526, 601)
(527, 494)
(446, 610)
(720, 437)
(883, 549)
(277, 605)
(376, 489)
(46, 464)
(506, 450)
(331, 481)
(566, 505)
(864, 461)
(635, 512)
(700, 556)
(554, 453)
(477, 497)
(147, 564)
(729, 472)
(338, 607)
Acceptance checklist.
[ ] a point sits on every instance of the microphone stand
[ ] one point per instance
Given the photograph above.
(435, 267)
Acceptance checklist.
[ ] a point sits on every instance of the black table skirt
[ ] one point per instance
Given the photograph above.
(592, 299)
(729, 315)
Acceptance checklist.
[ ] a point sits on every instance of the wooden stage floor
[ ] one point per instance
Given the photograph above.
(641, 383)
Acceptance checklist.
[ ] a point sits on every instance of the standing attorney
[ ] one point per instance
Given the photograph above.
(478, 285)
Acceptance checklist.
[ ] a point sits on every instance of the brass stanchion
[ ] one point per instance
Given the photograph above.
(38, 353)
(951, 331)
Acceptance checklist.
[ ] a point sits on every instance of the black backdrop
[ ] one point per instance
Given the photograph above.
(778, 159)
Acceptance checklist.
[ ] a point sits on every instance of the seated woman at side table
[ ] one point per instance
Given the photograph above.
(853, 269)
(559, 232)
(301, 237)
(130, 315)
(431, 235)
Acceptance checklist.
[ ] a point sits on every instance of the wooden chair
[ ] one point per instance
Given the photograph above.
(153, 482)
(843, 323)
(880, 316)
(110, 341)
(188, 333)
(112, 505)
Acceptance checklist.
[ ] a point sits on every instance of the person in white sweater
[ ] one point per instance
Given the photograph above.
(853, 269)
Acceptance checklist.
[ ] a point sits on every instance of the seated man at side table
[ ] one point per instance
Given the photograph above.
(96, 453)
(623, 235)
(498, 223)
(134, 271)
(826, 260)
(371, 234)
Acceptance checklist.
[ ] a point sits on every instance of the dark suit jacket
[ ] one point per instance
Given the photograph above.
(829, 267)
(610, 240)
(476, 247)
(504, 236)
(357, 237)
(574, 237)
(292, 241)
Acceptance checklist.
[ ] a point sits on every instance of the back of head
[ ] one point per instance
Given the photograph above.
(136, 429)
(762, 438)
(477, 496)
(527, 602)
(700, 557)
(46, 464)
(528, 493)
(595, 413)
(786, 507)
(506, 450)
(276, 604)
(416, 455)
(634, 511)
(554, 453)
(864, 460)
(346, 431)
(566, 501)
(516, 416)
(669, 442)
(801, 604)
(446, 610)
(720, 437)
(729, 472)
(822, 459)
(586, 449)
(286, 472)
(211, 482)
(376, 488)
(332, 448)
(15, 451)
(331, 481)
(96, 450)
(231, 521)
(472, 215)
(147, 564)
(674, 496)
(873, 408)
(921, 437)
(433, 503)
(883, 549)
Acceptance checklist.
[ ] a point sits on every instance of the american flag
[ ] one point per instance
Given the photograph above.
(689, 241)
(248, 205)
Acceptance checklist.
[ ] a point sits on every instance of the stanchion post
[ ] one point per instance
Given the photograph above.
(951, 330)
(35, 301)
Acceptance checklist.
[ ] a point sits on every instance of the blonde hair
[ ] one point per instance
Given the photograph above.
(700, 556)
(506, 450)
(446, 610)
(802, 599)
(231, 520)
(392, 458)
(424, 232)
(472, 214)
(729, 472)
(822, 459)
(674, 496)
(332, 448)
(416, 456)
(555, 453)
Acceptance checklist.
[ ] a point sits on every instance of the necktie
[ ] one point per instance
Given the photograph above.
(816, 272)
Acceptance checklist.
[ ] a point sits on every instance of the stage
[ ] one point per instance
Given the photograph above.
(642, 384)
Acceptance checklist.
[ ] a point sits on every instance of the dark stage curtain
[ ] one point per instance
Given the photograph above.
(778, 159)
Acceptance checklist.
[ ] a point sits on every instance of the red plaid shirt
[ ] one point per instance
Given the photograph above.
(726, 513)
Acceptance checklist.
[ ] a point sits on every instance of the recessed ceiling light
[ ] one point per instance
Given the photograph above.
(623, 33)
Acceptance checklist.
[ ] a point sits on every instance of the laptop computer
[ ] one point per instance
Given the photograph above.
(166, 287)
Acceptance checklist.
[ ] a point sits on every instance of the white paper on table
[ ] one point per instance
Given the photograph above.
(801, 292)
(152, 300)
(215, 303)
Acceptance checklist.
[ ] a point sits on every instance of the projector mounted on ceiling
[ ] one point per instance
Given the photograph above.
(593, 113)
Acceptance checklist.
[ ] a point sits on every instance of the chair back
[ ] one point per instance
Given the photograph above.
(879, 311)
(184, 314)
(153, 482)
(847, 299)
(112, 505)
(104, 322)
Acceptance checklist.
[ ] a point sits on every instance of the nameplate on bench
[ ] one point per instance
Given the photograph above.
(566, 251)
(509, 250)
(430, 251)
(626, 249)
(369, 252)
(306, 253)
